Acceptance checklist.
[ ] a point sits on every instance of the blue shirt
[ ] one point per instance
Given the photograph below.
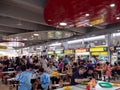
(24, 79)
(45, 79)
(76, 75)
(65, 61)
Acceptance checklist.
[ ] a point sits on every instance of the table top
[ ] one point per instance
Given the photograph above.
(73, 88)
(11, 79)
(60, 74)
(8, 72)
(83, 87)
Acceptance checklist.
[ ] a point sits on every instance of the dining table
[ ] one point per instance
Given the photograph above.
(83, 87)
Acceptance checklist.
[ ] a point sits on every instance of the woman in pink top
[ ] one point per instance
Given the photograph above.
(60, 66)
(108, 70)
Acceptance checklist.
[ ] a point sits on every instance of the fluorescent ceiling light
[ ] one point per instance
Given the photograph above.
(94, 38)
(116, 34)
(87, 14)
(25, 39)
(118, 18)
(87, 39)
(91, 25)
(63, 24)
(75, 41)
(112, 5)
(55, 44)
(35, 34)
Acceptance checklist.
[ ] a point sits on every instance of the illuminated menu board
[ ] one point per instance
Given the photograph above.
(99, 53)
(3, 47)
(97, 21)
(81, 50)
(100, 49)
(68, 51)
(50, 52)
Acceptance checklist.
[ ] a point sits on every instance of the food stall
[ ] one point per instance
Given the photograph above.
(59, 53)
(117, 51)
(50, 53)
(83, 53)
(69, 52)
(100, 52)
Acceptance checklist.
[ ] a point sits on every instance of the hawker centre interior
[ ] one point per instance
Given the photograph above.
(59, 44)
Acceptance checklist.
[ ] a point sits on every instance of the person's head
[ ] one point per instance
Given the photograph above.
(107, 63)
(90, 70)
(35, 57)
(98, 64)
(81, 70)
(31, 67)
(52, 56)
(24, 57)
(65, 65)
(30, 56)
(40, 71)
(50, 64)
(66, 56)
(90, 62)
(23, 68)
(78, 57)
(75, 64)
(5, 57)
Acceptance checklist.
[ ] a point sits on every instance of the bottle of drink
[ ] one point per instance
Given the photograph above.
(93, 83)
(88, 87)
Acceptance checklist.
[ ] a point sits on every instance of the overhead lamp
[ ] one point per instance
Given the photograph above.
(63, 24)
(35, 34)
(118, 18)
(90, 25)
(112, 5)
(87, 14)
(25, 39)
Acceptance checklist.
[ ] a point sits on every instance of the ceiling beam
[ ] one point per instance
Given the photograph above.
(31, 5)
(8, 30)
(20, 14)
(14, 23)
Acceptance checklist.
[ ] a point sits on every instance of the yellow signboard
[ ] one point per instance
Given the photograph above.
(3, 47)
(98, 21)
(50, 53)
(68, 51)
(99, 53)
(95, 49)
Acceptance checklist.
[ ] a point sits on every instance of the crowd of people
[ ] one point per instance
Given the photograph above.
(35, 72)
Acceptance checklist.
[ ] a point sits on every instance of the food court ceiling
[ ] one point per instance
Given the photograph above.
(21, 19)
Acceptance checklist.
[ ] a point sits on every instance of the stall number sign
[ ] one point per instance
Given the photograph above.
(68, 51)
(99, 53)
(50, 52)
(98, 21)
(3, 47)
(98, 49)
(80, 50)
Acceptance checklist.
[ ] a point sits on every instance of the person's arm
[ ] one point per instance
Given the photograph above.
(81, 80)
(38, 81)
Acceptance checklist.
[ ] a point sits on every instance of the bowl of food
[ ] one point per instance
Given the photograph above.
(67, 87)
(55, 74)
